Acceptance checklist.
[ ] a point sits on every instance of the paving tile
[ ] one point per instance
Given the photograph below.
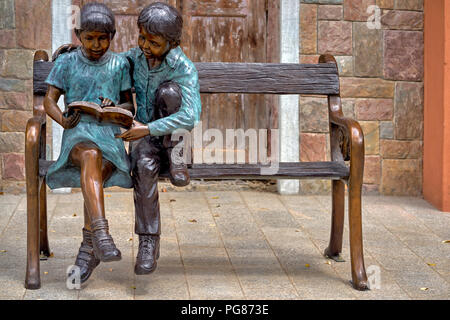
(414, 283)
(11, 290)
(53, 280)
(10, 198)
(311, 284)
(261, 282)
(12, 263)
(383, 285)
(168, 281)
(200, 235)
(401, 260)
(252, 242)
(274, 219)
(212, 283)
(235, 228)
(51, 203)
(446, 277)
(112, 280)
(184, 213)
(74, 197)
(5, 215)
(243, 245)
(306, 266)
(223, 197)
(105, 290)
(204, 257)
(262, 201)
(53, 287)
(436, 221)
(260, 274)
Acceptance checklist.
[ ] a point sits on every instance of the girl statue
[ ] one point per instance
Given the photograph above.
(91, 157)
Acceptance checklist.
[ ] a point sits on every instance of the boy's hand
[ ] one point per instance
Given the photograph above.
(137, 131)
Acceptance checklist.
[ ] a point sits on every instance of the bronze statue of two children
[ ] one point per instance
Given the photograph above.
(93, 155)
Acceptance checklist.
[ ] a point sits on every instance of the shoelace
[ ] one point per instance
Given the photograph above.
(144, 246)
(176, 157)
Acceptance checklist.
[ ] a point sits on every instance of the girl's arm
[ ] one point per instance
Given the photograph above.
(52, 109)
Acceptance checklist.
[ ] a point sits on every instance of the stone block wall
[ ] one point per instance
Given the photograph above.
(381, 85)
(25, 26)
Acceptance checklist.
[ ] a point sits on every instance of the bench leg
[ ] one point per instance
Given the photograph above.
(337, 222)
(359, 276)
(32, 278)
(43, 233)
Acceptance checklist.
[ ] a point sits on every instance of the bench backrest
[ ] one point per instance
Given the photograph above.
(265, 78)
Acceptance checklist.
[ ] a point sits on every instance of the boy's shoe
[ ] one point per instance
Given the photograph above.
(147, 255)
(178, 172)
(86, 259)
(103, 244)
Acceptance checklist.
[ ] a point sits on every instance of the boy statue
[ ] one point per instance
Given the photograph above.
(167, 98)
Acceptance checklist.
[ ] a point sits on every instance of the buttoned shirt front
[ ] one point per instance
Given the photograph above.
(176, 67)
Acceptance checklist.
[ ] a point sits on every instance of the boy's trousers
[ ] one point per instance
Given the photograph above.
(148, 157)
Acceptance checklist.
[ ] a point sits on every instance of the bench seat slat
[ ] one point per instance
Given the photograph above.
(245, 78)
(299, 170)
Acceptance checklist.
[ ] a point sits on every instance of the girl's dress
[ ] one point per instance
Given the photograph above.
(84, 80)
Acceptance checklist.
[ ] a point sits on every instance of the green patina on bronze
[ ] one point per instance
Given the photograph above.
(82, 79)
(177, 68)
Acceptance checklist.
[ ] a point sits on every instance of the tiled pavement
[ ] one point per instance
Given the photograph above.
(237, 245)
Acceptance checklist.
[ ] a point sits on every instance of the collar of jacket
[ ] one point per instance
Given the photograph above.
(171, 58)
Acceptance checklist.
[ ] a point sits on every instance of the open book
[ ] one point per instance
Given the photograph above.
(116, 115)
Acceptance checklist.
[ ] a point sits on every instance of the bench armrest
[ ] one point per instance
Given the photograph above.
(346, 138)
(39, 112)
(35, 138)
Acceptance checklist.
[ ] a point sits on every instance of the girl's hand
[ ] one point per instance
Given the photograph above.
(70, 121)
(137, 131)
(106, 102)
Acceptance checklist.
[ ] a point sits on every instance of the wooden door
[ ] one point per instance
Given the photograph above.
(217, 30)
(228, 31)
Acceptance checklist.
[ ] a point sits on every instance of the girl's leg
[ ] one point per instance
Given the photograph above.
(88, 157)
(86, 259)
(87, 220)
(107, 169)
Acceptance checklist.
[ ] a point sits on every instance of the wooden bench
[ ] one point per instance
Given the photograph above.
(346, 140)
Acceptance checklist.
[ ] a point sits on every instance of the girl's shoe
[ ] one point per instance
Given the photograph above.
(86, 259)
(103, 244)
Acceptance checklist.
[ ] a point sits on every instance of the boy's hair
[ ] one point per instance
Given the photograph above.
(163, 20)
(96, 16)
